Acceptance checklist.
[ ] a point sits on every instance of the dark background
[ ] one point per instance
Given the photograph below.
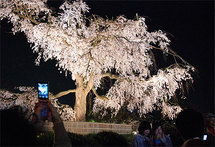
(190, 25)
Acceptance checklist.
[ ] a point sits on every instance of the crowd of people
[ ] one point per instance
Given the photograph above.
(195, 129)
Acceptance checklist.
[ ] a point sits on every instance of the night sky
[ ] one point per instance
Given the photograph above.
(190, 25)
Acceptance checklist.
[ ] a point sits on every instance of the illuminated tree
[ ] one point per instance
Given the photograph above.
(95, 48)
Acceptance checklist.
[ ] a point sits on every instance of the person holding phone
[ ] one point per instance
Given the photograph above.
(44, 110)
(61, 136)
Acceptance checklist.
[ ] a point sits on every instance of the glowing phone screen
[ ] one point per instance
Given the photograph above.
(43, 91)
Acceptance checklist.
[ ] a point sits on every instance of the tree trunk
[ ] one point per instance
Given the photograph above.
(81, 97)
(80, 104)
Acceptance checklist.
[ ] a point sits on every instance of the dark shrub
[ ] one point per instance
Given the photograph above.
(15, 129)
(80, 140)
(77, 140)
(111, 139)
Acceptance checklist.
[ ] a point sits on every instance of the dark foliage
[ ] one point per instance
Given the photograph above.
(100, 139)
(80, 140)
(111, 139)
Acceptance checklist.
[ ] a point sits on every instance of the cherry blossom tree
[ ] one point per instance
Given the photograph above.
(93, 48)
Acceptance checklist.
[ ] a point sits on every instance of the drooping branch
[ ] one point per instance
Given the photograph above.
(98, 96)
(171, 52)
(63, 93)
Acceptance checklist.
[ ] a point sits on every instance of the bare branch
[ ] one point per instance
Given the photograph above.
(112, 76)
(171, 52)
(64, 41)
(63, 93)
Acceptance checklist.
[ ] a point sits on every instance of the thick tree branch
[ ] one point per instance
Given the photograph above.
(79, 81)
(63, 93)
(89, 84)
(112, 76)
(98, 96)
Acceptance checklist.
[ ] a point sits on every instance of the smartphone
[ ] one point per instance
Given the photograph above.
(205, 137)
(43, 96)
(43, 90)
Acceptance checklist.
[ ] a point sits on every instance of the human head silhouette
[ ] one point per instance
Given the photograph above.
(144, 125)
(190, 123)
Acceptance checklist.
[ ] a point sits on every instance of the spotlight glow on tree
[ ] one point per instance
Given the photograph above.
(94, 48)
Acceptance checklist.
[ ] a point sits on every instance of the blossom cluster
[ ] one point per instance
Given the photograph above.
(26, 98)
(145, 95)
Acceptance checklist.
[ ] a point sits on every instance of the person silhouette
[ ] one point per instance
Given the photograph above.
(190, 124)
(61, 136)
(16, 129)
